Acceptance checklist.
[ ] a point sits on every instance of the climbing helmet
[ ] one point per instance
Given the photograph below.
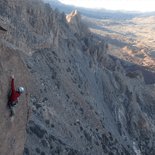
(21, 89)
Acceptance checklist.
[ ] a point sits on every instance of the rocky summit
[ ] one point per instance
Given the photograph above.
(78, 99)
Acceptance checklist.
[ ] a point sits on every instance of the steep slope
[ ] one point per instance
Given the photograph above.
(13, 130)
(82, 102)
(13, 133)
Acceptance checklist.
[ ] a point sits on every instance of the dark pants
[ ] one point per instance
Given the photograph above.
(12, 106)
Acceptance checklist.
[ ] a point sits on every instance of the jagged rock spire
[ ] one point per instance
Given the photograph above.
(76, 24)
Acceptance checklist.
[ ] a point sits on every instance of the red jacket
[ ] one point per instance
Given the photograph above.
(14, 94)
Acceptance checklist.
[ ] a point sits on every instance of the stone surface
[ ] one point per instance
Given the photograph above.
(82, 102)
(13, 132)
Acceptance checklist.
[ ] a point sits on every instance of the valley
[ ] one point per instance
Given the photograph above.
(131, 39)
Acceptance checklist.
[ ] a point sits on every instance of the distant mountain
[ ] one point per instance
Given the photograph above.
(93, 13)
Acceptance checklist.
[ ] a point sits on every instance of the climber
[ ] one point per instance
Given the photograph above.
(14, 95)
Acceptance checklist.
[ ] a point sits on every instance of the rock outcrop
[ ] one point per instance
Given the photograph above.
(13, 129)
(82, 102)
(76, 25)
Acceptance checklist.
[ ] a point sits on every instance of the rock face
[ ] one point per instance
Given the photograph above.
(76, 25)
(82, 102)
(13, 133)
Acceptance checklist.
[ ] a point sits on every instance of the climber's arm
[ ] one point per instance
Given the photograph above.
(12, 84)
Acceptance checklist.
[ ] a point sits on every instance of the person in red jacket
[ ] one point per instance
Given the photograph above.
(13, 98)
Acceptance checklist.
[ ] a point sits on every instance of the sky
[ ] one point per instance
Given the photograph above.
(126, 5)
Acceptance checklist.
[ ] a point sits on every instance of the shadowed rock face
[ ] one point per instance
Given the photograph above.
(81, 102)
(2, 29)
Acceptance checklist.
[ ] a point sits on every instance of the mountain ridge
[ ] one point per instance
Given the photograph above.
(81, 100)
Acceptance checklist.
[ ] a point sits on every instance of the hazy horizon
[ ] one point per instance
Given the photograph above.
(124, 5)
